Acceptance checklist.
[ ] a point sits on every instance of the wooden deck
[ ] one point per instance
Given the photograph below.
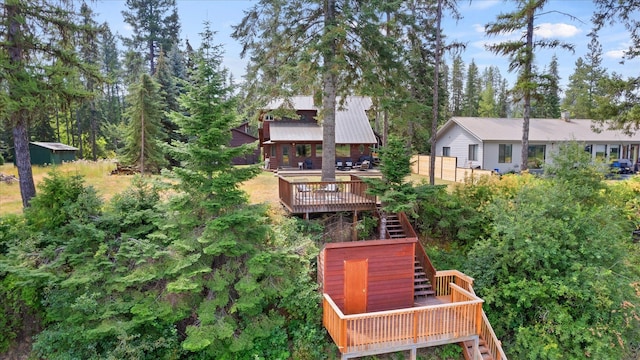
(304, 197)
(448, 319)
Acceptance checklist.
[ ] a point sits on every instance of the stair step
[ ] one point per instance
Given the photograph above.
(420, 273)
(422, 286)
(424, 293)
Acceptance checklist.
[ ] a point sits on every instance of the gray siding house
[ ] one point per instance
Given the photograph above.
(496, 143)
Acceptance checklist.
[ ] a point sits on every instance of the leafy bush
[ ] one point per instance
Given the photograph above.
(556, 270)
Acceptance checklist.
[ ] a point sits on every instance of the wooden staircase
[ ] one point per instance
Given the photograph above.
(467, 347)
(422, 288)
(394, 227)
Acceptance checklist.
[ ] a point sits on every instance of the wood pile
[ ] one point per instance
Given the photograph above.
(124, 170)
(9, 179)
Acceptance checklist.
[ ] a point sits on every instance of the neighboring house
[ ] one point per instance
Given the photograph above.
(491, 143)
(297, 142)
(47, 153)
(240, 136)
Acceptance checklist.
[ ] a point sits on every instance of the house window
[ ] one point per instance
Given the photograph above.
(601, 152)
(318, 150)
(303, 150)
(343, 150)
(536, 156)
(285, 155)
(273, 151)
(446, 151)
(473, 152)
(361, 148)
(614, 153)
(504, 153)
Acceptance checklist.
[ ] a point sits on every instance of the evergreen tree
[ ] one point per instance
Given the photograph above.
(487, 105)
(502, 104)
(35, 30)
(521, 56)
(457, 85)
(90, 56)
(155, 26)
(145, 132)
(472, 91)
(619, 105)
(583, 89)
(552, 90)
(169, 93)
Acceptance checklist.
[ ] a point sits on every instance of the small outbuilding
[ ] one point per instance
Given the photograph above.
(47, 153)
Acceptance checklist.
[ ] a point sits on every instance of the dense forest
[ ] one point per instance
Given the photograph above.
(188, 268)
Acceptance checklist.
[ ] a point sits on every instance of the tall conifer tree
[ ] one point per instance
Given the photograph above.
(145, 132)
(521, 55)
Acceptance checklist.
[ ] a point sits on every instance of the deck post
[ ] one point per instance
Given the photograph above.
(414, 354)
(354, 230)
(476, 348)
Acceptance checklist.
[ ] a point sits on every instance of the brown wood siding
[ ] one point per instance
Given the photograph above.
(390, 275)
(240, 138)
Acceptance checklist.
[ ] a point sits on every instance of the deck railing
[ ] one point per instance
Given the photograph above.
(419, 326)
(324, 196)
(443, 282)
(446, 277)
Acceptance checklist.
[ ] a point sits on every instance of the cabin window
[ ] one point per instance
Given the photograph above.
(446, 151)
(343, 150)
(285, 155)
(318, 150)
(273, 151)
(536, 156)
(473, 152)
(504, 154)
(303, 150)
(361, 148)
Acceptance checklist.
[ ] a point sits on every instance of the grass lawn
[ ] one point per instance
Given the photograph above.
(261, 189)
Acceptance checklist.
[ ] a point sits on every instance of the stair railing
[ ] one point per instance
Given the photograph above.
(424, 260)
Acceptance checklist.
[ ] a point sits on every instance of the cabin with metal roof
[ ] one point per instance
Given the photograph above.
(294, 140)
(50, 153)
(496, 143)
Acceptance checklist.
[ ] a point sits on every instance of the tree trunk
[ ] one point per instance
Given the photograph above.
(142, 145)
(81, 151)
(23, 159)
(527, 92)
(436, 102)
(18, 118)
(329, 99)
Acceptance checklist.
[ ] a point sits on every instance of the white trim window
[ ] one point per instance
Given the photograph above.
(473, 152)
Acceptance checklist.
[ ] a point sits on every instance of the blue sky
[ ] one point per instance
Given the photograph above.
(222, 14)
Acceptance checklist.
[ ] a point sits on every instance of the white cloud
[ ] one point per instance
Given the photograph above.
(561, 30)
(485, 4)
(127, 28)
(479, 28)
(614, 54)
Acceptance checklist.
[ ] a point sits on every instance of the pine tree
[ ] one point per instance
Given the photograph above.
(487, 105)
(209, 115)
(169, 93)
(153, 29)
(457, 85)
(583, 89)
(35, 30)
(521, 56)
(145, 132)
(472, 91)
